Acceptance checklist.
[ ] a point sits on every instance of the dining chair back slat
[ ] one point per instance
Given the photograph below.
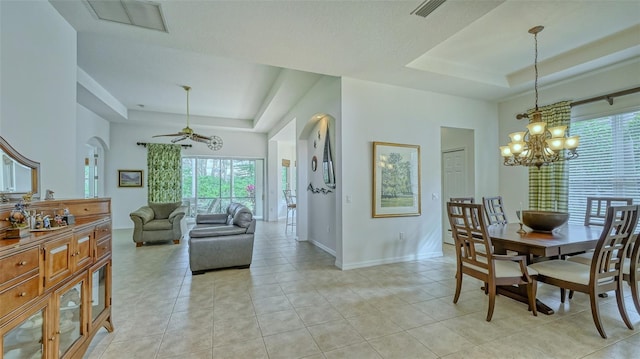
(494, 209)
(596, 210)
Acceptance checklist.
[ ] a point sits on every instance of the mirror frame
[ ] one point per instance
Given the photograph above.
(33, 165)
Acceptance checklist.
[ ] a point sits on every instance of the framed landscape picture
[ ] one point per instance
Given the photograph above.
(129, 178)
(396, 180)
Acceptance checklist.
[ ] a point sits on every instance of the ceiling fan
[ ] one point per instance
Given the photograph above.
(213, 142)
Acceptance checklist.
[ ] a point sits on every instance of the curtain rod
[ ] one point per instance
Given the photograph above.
(144, 144)
(607, 97)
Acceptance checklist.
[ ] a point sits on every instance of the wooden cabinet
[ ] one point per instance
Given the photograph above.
(55, 287)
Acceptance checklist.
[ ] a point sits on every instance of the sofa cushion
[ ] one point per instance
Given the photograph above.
(158, 225)
(163, 210)
(243, 217)
(216, 231)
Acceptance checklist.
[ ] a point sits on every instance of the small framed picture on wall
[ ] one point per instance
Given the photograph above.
(130, 178)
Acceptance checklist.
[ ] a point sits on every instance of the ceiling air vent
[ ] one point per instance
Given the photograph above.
(427, 7)
(144, 14)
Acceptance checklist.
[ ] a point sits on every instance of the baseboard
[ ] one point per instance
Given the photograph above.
(381, 261)
(323, 247)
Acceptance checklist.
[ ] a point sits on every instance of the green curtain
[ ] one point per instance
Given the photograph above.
(549, 185)
(165, 173)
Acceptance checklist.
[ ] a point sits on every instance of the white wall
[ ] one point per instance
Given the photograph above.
(514, 180)
(125, 154)
(377, 112)
(38, 91)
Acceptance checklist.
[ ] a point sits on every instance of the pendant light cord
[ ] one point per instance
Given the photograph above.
(535, 66)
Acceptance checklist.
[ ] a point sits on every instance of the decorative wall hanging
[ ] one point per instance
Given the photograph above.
(130, 178)
(318, 189)
(396, 180)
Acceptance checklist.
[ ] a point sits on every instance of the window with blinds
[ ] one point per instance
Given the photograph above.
(609, 162)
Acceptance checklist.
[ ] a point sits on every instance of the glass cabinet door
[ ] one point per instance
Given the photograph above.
(98, 292)
(70, 318)
(25, 340)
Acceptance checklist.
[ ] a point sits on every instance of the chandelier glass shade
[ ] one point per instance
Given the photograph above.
(539, 145)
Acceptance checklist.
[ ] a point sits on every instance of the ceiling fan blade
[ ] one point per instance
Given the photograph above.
(200, 138)
(179, 139)
(172, 135)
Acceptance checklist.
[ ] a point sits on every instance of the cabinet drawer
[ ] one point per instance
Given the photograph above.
(18, 264)
(103, 230)
(87, 209)
(19, 294)
(103, 247)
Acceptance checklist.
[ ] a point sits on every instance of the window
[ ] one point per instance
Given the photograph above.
(609, 162)
(209, 184)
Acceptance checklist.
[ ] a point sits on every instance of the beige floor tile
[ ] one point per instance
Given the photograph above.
(186, 341)
(373, 325)
(271, 304)
(236, 330)
(401, 346)
(141, 348)
(317, 315)
(360, 350)
(251, 349)
(333, 335)
(407, 316)
(291, 345)
(278, 322)
(440, 339)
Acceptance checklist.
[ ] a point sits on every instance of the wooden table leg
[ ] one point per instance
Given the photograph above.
(520, 294)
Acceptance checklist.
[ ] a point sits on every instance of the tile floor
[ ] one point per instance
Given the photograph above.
(294, 303)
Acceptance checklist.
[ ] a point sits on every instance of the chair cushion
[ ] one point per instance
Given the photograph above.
(504, 269)
(158, 225)
(216, 231)
(565, 270)
(163, 210)
(584, 258)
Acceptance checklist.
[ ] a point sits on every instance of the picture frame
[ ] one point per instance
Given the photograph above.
(130, 178)
(396, 180)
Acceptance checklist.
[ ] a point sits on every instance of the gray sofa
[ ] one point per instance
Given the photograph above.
(158, 222)
(222, 240)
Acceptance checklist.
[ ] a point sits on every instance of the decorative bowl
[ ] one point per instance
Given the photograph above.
(544, 221)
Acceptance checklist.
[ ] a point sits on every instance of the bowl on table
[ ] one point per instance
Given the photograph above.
(543, 221)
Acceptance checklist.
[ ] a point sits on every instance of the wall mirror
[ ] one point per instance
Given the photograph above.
(18, 174)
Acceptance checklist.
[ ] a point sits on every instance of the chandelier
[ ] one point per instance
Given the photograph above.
(213, 142)
(539, 145)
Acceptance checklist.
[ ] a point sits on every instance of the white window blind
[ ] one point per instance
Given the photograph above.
(609, 162)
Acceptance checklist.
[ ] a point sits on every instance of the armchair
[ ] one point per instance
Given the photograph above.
(158, 222)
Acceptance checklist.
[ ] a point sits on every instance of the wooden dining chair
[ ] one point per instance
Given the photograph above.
(605, 272)
(494, 208)
(631, 270)
(469, 228)
(595, 214)
(597, 208)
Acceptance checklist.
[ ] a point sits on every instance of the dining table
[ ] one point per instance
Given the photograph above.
(565, 240)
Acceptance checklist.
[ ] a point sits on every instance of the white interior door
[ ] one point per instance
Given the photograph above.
(454, 184)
